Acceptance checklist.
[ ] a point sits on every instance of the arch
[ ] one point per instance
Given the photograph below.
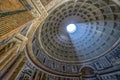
(87, 70)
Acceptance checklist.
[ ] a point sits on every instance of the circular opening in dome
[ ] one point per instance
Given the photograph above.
(71, 28)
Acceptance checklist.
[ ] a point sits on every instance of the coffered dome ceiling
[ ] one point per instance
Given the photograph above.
(56, 51)
(96, 33)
